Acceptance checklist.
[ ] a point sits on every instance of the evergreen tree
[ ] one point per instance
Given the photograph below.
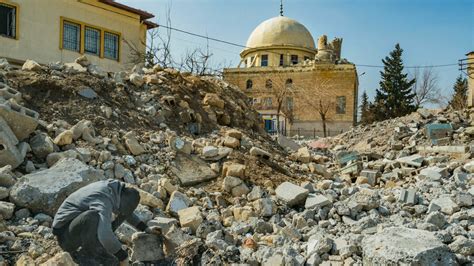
(459, 100)
(365, 116)
(395, 96)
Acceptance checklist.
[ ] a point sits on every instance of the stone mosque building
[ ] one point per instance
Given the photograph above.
(281, 66)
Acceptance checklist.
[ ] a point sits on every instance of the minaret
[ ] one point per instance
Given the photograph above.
(281, 8)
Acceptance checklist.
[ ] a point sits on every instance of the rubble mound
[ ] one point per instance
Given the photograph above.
(216, 189)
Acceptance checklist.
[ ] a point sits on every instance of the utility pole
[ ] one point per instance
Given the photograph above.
(466, 66)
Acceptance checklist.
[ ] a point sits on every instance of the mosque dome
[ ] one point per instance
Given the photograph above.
(281, 31)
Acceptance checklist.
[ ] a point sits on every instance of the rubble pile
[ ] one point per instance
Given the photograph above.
(220, 190)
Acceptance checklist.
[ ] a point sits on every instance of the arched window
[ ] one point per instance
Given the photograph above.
(289, 82)
(249, 84)
(268, 84)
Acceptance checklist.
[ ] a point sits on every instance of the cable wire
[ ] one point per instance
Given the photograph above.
(245, 47)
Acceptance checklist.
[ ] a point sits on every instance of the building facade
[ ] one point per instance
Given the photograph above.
(109, 33)
(295, 86)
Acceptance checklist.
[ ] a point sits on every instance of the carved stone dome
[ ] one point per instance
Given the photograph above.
(281, 31)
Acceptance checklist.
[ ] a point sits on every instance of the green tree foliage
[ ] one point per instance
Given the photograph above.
(459, 99)
(366, 116)
(395, 97)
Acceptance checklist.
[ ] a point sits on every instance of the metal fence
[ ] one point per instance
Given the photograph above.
(308, 133)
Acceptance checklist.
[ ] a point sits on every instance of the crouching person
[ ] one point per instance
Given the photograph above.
(88, 218)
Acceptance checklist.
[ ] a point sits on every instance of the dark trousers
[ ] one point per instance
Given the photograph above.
(80, 232)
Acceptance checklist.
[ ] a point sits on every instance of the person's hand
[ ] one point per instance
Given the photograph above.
(124, 262)
(155, 230)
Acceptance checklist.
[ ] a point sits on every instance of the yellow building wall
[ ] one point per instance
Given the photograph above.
(274, 56)
(39, 23)
(310, 83)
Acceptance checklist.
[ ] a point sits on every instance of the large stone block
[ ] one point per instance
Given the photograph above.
(400, 245)
(190, 217)
(146, 247)
(44, 191)
(291, 194)
(21, 120)
(191, 170)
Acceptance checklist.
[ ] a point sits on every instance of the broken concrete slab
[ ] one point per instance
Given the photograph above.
(45, 190)
(22, 121)
(257, 152)
(190, 217)
(316, 201)
(191, 170)
(408, 196)
(415, 160)
(291, 194)
(443, 149)
(444, 204)
(434, 173)
(400, 245)
(288, 143)
(146, 248)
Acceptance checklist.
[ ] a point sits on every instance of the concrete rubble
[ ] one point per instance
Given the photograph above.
(219, 189)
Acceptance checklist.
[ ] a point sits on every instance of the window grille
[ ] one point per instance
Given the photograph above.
(294, 59)
(264, 60)
(249, 84)
(7, 21)
(341, 105)
(71, 36)
(111, 45)
(92, 41)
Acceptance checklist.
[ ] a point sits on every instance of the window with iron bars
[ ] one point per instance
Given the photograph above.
(92, 41)
(8, 21)
(71, 36)
(111, 46)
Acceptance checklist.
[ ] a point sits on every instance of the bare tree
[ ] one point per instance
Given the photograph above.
(426, 87)
(281, 91)
(312, 96)
(157, 45)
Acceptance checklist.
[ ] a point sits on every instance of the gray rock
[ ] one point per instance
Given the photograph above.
(400, 245)
(44, 191)
(319, 244)
(4, 193)
(463, 245)
(264, 207)
(445, 204)
(178, 201)
(368, 199)
(41, 145)
(6, 176)
(87, 92)
(316, 201)
(436, 218)
(291, 194)
(146, 247)
(191, 170)
(235, 186)
(163, 223)
(255, 194)
(6, 209)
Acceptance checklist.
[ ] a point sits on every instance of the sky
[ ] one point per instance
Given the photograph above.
(431, 32)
